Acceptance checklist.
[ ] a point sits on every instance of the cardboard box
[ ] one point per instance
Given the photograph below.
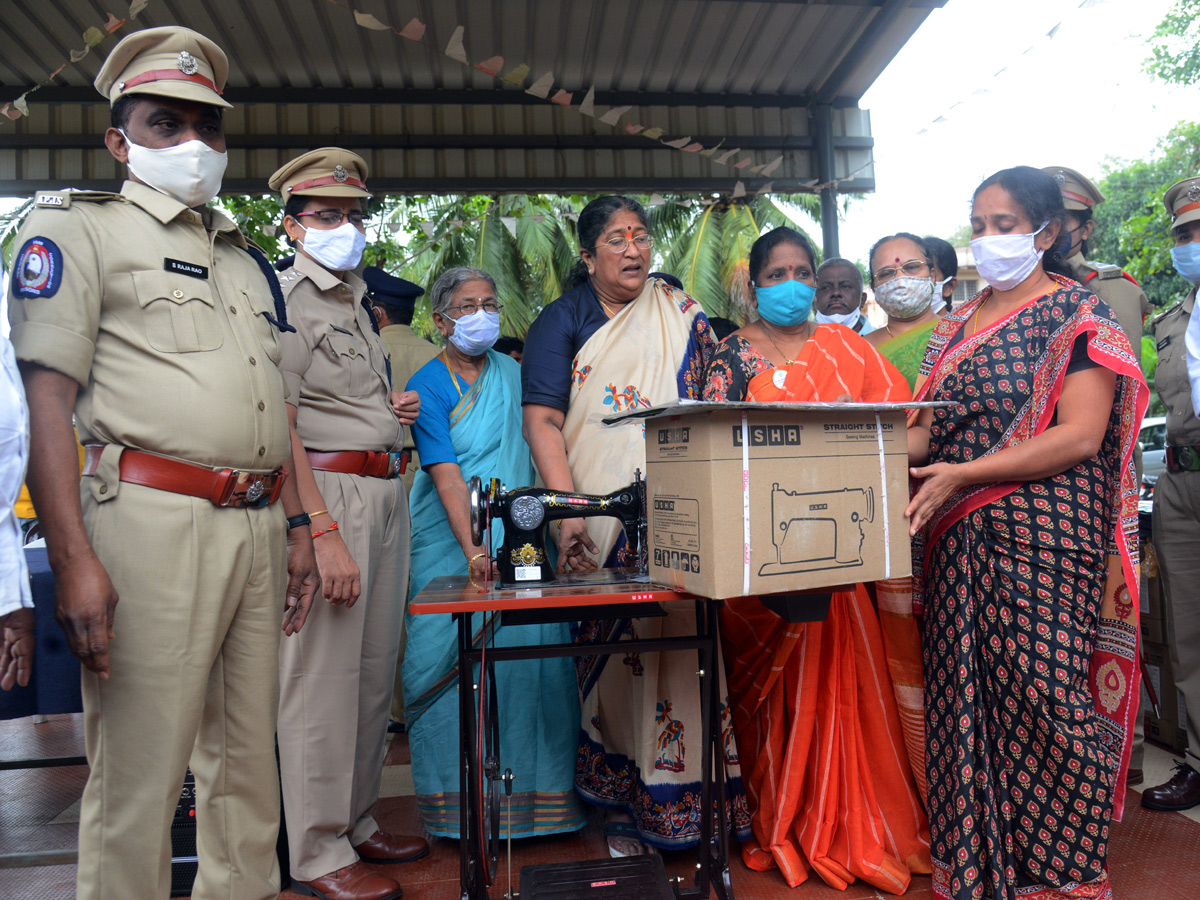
(757, 498)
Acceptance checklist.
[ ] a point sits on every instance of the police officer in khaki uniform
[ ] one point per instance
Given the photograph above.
(347, 433)
(1110, 283)
(1177, 494)
(147, 315)
(393, 301)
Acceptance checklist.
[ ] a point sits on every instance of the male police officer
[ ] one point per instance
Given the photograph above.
(1177, 494)
(146, 314)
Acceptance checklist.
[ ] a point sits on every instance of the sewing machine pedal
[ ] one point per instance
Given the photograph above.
(628, 878)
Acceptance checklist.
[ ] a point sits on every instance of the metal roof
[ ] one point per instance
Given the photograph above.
(303, 73)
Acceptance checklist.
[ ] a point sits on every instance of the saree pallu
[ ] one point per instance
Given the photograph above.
(1030, 634)
(641, 726)
(908, 350)
(537, 701)
(828, 713)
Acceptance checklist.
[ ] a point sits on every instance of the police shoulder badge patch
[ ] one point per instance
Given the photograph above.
(38, 269)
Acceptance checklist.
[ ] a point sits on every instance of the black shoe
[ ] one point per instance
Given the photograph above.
(1181, 792)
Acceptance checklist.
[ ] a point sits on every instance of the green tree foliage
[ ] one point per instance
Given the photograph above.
(1175, 45)
(1132, 225)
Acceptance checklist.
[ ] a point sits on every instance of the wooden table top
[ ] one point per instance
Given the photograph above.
(456, 593)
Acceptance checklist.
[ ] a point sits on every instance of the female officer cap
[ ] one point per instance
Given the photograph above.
(1182, 201)
(328, 172)
(165, 62)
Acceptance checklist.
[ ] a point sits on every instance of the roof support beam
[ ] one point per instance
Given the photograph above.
(823, 126)
(875, 29)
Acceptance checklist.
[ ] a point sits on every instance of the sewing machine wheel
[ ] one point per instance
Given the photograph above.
(489, 817)
(479, 509)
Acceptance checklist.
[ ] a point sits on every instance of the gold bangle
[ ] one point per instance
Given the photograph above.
(471, 561)
(319, 512)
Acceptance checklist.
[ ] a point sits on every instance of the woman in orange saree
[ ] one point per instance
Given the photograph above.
(827, 714)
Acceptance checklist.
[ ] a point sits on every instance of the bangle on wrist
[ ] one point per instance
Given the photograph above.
(296, 521)
(319, 512)
(333, 526)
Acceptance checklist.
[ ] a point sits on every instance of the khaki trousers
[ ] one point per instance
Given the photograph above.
(1177, 540)
(336, 682)
(193, 675)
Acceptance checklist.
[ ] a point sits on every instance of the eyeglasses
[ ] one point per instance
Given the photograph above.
(910, 269)
(470, 307)
(621, 244)
(334, 218)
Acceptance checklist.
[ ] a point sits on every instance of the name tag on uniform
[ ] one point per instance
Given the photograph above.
(1163, 343)
(185, 268)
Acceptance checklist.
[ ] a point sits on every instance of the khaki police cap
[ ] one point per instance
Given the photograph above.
(165, 62)
(1182, 201)
(1077, 191)
(328, 172)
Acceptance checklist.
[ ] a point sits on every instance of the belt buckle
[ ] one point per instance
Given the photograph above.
(395, 467)
(1187, 458)
(245, 489)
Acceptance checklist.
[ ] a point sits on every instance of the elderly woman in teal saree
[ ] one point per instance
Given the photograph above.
(471, 425)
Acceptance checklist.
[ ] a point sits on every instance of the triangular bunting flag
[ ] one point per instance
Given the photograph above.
(455, 49)
(427, 227)
(765, 189)
(678, 144)
(653, 133)
(742, 163)
(562, 98)
(588, 106)
(723, 159)
(366, 20)
(136, 7)
(634, 129)
(693, 148)
(713, 149)
(541, 87)
(769, 168)
(739, 190)
(656, 200)
(510, 222)
(414, 30)
(613, 115)
(491, 66)
(113, 23)
(518, 75)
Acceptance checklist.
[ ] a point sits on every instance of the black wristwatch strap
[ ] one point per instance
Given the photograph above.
(297, 521)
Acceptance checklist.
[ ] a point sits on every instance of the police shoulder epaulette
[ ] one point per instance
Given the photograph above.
(64, 199)
(288, 279)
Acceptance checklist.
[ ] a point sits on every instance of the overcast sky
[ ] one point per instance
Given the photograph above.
(981, 87)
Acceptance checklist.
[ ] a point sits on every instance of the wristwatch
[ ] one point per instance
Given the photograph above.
(296, 521)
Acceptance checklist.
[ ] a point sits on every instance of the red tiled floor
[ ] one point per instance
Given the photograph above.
(1153, 855)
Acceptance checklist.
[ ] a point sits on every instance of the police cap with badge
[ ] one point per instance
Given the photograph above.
(1182, 201)
(389, 290)
(327, 172)
(167, 62)
(1078, 192)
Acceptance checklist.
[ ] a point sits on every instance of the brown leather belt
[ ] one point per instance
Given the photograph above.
(371, 463)
(1183, 458)
(224, 487)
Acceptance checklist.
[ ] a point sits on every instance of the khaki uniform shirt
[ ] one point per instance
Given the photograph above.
(160, 316)
(334, 366)
(1171, 376)
(1125, 298)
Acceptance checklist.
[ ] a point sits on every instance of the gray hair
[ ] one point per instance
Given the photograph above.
(838, 261)
(441, 295)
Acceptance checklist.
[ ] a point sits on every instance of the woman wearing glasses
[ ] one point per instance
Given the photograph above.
(347, 428)
(902, 277)
(621, 340)
(821, 708)
(471, 425)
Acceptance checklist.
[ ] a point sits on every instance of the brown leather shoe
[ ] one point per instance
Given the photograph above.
(353, 882)
(1134, 776)
(383, 847)
(1181, 792)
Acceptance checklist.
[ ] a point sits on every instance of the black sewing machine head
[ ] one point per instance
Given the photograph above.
(525, 512)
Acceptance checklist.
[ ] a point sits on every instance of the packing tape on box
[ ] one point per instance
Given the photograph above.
(746, 505)
(887, 537)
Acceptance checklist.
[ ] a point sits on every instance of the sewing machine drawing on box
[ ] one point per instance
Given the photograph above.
(819, 530)
(525, 512)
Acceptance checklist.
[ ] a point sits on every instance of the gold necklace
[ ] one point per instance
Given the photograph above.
(453, 375)
(608, 308)
(978, 310)
(778, 349)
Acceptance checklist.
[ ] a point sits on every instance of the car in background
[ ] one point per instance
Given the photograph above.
(1153, 438)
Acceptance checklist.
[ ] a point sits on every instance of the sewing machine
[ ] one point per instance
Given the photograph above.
(819, 530)
(525, 512)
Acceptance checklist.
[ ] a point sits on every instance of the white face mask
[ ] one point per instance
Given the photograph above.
(337, 249)
(905, 296)
(190, 172)
(849, 319)
(1005, 260)
(476, 333)
(939, 302)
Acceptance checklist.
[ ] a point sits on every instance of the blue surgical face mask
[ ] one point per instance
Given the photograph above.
(1186, 258)
(786, 303)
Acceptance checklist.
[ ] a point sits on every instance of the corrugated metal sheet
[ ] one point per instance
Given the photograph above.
(303, 74)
